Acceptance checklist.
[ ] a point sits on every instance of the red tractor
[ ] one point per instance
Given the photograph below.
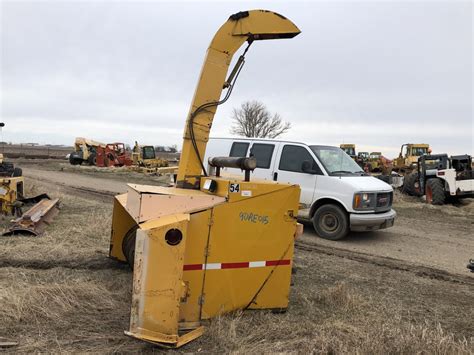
(114, 154)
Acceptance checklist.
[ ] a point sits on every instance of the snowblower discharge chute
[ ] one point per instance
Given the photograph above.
(212, 244)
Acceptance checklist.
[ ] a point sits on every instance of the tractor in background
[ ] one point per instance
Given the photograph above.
(408, 157)
(377, 163)
(374, 161)
(362, 159)
(85, 151)
(144, 156)
(349, 149)
(114, 154)
(90, 152)
(398, 172)
(8, 169)
(440, 178)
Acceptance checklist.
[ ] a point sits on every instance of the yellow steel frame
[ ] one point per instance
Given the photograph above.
(11, 189)
(257, 25)
(236, 245)
(175, 287)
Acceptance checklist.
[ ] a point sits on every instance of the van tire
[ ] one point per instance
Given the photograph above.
(331, 222)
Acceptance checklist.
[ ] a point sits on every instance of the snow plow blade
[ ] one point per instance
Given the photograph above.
(35, 220)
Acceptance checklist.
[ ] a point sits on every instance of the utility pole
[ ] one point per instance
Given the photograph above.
(1, 134)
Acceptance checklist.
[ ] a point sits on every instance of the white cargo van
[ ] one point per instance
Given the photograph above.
(336, 194)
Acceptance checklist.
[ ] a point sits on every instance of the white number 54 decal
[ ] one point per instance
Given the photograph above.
(234, 188)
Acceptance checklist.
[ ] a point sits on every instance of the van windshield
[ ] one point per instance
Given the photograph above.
(335, 161)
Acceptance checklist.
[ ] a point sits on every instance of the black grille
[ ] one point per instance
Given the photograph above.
(384, 200)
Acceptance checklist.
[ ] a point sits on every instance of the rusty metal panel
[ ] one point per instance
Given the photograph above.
(148, 202)
(35, 220)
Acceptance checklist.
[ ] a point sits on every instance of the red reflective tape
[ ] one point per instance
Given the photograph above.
(192, 267)
(239, 265)
(235, 265)
(278, 262)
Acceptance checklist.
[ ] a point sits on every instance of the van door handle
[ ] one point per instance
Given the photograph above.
(275, 176)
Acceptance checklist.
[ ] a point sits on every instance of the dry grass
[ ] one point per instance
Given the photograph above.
(79, 234)
(61, 294)
(64, 310)
(337, 320)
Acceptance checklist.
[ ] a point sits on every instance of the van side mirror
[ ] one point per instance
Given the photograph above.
(306, 167)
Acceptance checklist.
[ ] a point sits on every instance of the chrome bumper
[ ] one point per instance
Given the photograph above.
(372, 221)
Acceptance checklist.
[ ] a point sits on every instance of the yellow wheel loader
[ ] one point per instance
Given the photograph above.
(408, 158)
(211, 244)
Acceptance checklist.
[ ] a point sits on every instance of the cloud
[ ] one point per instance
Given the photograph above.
(377, 74)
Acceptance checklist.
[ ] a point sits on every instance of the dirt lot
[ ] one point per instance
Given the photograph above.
(435, 236)
(438, 237)
(405, 289)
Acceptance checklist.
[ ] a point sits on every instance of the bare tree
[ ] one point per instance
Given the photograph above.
(253, 119)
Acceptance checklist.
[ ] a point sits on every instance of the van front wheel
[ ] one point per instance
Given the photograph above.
(331, 222)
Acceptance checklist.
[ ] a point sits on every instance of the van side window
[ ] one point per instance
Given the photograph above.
(263, 153)
(239, 149)
(292, 158)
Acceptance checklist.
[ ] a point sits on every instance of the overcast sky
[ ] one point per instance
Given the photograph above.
(377, 74)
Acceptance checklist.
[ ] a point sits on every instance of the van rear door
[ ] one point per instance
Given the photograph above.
(289, 168)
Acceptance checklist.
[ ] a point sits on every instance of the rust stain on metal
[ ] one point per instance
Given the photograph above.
(36, 219)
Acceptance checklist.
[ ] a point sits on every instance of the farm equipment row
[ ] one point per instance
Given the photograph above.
(90, 152)
(375, 162)
(417, 172)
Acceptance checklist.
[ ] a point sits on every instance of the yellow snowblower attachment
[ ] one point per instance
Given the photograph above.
(211, 245)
